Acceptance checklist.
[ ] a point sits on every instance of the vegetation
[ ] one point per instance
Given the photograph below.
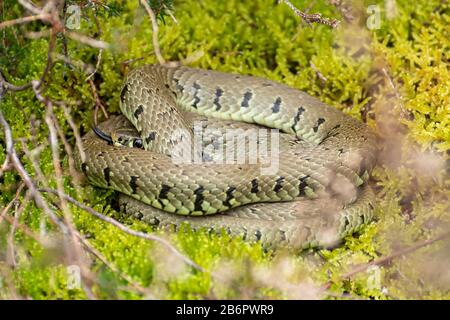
(395, 77)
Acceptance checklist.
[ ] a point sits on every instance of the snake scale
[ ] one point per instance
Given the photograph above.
(317, 195)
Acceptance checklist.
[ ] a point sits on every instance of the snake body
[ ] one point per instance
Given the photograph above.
(317, 195)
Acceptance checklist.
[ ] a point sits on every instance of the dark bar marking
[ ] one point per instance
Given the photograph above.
(196, 98)
(229, 193)
(178, 85)
(279, 184)
(219, 93)
(302, 186)
(199, 198)
(138, 111)
(255, 187)
(124, 92)
(283, 235)
(107, 175)
(346, 222)
(297, 117)
(156, 222)
(150, 137)
(319, 122)
(247, 97)
(330, 134)
(164, 191)
(276, 105)
(133, 184)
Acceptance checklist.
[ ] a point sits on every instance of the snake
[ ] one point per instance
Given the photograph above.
(316, 193)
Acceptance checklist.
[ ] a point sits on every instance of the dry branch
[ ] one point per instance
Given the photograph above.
(309, 18)
(126, 229)
(155, 32)
(389, 258)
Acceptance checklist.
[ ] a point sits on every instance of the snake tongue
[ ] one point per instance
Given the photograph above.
(102, 135)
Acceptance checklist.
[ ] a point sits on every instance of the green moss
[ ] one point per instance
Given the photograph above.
(264, 39)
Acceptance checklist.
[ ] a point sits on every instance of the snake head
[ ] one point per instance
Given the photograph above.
(119, 139)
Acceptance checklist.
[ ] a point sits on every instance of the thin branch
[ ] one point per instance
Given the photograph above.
(38, 199)
(344, 8)
(81, 38)
(311, 18)
(11, 203)
(9, 23)
(99, 59)
(126, 229)
(76, 133)
(85, 67)
(30, 6)
(318, 73)
(387, 259)
(111, 266)
(155, 30)
(11, 255)
(403, 111)
(6, 86)
(98, 103)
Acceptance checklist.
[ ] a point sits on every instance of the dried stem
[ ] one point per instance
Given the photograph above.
(9, 23)
(311, 18)
(98, 103)
(155, 30)
(128, 230)
(387, 259)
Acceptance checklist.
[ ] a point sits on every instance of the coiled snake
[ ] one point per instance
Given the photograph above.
(317, 194)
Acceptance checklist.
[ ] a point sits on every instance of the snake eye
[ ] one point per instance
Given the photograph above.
(137, 143)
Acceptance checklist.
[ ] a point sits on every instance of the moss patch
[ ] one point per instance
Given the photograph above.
(397, 78)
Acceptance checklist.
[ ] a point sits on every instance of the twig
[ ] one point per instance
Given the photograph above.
(170, 14)
(344, 8)
(76, 133)
(49, 64)
(98, 103)
(311, 18)
(126, 229)
(30, 6)
(9, 23)
(75, 255)
(105, 261)
(403, 111)
(85, 67)
(81, 38)
(69, 151)
(99, 59)
(6, 86)
(38, 199)
(385, 260)
(5, 167)
(318, 73)
(11, 203)
(155, 30)
(11, 256)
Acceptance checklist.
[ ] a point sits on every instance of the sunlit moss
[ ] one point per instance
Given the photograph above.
(258, 38)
